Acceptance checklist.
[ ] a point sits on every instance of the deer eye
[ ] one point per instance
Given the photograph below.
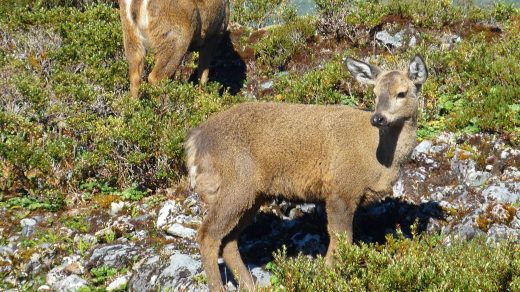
(401, 94)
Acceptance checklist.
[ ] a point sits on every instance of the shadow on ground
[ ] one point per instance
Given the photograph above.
(227, 67)
(307, 233)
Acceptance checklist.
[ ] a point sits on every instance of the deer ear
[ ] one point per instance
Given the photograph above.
(417, 70)
(364, 73)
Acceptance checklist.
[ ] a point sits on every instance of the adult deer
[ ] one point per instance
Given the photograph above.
(170, 28)
(240, 158)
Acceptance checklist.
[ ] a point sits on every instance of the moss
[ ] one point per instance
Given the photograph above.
(105, 201)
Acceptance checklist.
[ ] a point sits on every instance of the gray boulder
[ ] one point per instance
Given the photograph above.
(115, 256)
(171, 274)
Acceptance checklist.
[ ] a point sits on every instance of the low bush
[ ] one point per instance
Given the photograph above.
(425, 264)
(66, 118)
(66, 115)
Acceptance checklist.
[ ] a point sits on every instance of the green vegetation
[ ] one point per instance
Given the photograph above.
(424, 264)
(281, 42)
(68, 125)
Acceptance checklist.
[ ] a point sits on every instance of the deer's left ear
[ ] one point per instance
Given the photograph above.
(417, 70)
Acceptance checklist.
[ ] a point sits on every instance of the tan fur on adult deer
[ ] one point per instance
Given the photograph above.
(171, 28)
(342, 156)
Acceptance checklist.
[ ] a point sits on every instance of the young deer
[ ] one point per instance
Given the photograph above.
(170, 28)
(240, 158)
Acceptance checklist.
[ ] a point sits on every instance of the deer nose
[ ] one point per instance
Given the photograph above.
(378, 120)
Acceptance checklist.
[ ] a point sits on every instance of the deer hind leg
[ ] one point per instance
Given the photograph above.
(135, 53)
(340, 216)
(168, 56)
(223, 217)
(206, 54)
(231, 254)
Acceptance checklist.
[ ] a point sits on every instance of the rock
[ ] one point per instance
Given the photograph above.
(55, 275)
(467, 229)
(422, 147)
(172, 274)
(140, 235)
(44, 288)
(449, 40)
(181, 231)
(6, 263)
(295, 213)
(169, 210)
(173, 223)
(85, 238)
(477, 178)
(123, 226)
(500, 232)
(28, 226)
(398, 188)
(69, 264)
(262, 277)
(118, 284)
(308, 208)
(387, 39)
(115, 256)
(69, 284)
(267, 85)
(116, 207)
(501, 194)
(308, 243)
(412, 42)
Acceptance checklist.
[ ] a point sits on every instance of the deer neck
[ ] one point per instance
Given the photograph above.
(396, 142)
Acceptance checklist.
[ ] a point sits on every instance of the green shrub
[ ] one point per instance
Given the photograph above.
(67, 71)
(425, 264)
(281, 42)
(319, 86)
(67, 120)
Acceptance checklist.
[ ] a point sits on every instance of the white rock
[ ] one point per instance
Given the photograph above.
(423, 147)
(71, 283)
(307, 208)
(387, 39)
(446, 137)
(262, 277)
(116, 207)
(499, 232)
(167, 213)
(28, 226)
(501, 194)
(398, 188)
(178, 230)
(44, 288)
(118, 283)
(477, 178)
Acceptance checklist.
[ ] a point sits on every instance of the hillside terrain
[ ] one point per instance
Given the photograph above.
(94, 194)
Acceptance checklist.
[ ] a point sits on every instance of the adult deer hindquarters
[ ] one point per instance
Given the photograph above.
(170, 28)
(242, 157)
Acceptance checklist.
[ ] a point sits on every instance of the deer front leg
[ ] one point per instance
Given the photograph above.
(339, 216)
(206, 54)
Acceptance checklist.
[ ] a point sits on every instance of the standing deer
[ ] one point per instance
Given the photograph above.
(240, 158)
(170, 28)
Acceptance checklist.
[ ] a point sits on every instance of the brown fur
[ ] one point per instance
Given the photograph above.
(171, 28)
(242, 157)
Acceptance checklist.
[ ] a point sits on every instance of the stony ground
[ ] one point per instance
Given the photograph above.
(464, 186)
